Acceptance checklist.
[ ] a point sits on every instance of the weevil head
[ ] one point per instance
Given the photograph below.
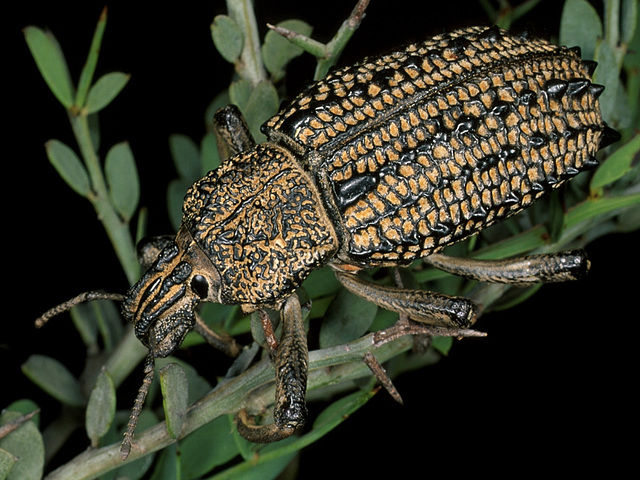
(162, 304)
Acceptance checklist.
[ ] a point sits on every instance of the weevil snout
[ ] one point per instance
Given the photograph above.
(163, 302)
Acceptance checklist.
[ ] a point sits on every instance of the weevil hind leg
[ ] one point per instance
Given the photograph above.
(523, 270)
(291, 362)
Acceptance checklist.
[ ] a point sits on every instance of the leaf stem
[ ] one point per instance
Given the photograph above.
(250, 65)
(253, 389)
(116, 228)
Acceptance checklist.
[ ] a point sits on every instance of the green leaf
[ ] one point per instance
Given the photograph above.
(105, 90)
(348, 318)
(556, 216)
(136, 469)
(101, 408)
(442, 344)
(629, 20)
(167, 467)
(262, 104)
(86, 76)
(51, 62)
(197, 385)
(84, 320)
(25, 406)
(607, 74)
(277, 51)
(175, 198)
(7, 461)
(186, 157)
(54, 378)
(209, 153)
(616, 165)
(22, 451)
(592, 208)
(122, 178)
(321, 283)
(274, 457)
(227, 37)
(580, 26)
(175, 397)
(198, 455)
(239, 93)
(69, 166)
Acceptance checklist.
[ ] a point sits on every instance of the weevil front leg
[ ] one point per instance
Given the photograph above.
(291, 362)
(231, 132)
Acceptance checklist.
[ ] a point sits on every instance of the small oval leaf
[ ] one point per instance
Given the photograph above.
(227, 37)
(198, 457)
(616, 165)
(54, 378)
(101, 408)
(105, 90)
(7, 460)
(239, 93)
(580, 25)
(122, 178)
(262, 104)
(175, 199)
(51, 62)
(277, 51)
(175, 397)
(69, 166)
(26, 446)
(186, 157)
(347, 318)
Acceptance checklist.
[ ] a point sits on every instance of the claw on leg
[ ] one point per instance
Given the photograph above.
(291, 362)
(260, 433)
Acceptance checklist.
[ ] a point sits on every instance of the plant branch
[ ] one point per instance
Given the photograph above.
(116, 228)
(252, 390)
(250, 59)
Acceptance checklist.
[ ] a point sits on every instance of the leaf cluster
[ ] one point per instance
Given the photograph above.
(194, 415)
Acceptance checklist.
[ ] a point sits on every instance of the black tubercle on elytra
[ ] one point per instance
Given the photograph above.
(609, 136)
(492, 34)
(349, 191)
(556, 88)
(577, 87)
(596, 90)
(590, 65)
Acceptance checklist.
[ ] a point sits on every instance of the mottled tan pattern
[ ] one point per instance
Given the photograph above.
(260, 220)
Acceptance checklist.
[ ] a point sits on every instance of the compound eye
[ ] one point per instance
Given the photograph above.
(200, 286)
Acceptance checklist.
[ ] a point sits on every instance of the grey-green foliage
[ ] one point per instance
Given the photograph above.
(22, 453)
(600, 204)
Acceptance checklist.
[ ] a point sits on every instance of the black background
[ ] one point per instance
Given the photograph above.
(551, 388)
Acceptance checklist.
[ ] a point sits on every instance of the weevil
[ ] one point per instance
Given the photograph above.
(382, 162)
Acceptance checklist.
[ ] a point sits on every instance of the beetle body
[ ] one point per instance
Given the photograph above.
(378, 164)
(420, 148)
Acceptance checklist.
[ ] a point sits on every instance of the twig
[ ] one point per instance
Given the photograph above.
(16, 423)
(253, 390)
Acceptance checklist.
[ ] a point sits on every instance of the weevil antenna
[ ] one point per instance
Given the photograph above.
(82, 298)
(149, 370)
